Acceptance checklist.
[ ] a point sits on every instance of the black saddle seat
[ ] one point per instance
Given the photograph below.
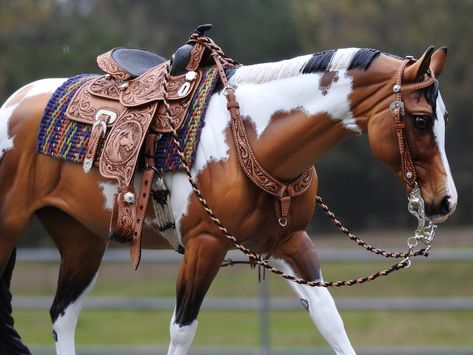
(136, 61)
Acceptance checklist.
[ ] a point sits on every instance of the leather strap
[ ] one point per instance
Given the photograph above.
(123, 219)
(129, 131)
(99, 129)
(143, 198)
(195, 57)
(282, 192)
(407, 170)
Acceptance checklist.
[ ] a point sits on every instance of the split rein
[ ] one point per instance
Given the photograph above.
(412, 242)
(424, 233)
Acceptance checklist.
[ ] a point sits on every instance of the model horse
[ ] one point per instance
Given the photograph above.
(294, 112)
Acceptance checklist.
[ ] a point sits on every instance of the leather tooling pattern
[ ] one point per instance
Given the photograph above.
(166, 155)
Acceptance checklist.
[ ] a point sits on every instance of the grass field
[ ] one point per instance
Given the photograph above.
(423, 279)
(241, 328)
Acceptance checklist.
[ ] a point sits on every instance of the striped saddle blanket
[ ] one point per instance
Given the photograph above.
(63, 138)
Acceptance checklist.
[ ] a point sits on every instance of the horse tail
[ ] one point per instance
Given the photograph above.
(10, 340)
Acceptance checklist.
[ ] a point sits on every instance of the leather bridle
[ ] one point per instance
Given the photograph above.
(407, 171)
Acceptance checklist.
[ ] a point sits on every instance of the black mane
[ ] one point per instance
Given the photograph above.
(320, 61)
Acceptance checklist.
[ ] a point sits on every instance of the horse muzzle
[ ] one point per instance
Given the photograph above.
(440, 211)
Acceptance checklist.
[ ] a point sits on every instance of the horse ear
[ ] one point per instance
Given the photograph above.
(438, 61)
(416, 71)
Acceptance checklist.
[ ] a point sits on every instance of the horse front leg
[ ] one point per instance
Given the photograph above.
(203, 257)
(297, 256)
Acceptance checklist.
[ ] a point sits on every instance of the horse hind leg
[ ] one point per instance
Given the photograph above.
(81, 254)
(10, 340)
(10, 231)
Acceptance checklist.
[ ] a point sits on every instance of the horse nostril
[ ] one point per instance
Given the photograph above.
(445, 205)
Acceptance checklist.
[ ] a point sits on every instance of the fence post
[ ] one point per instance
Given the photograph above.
(265, 339)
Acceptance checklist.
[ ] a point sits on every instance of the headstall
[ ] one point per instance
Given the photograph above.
(425, 231)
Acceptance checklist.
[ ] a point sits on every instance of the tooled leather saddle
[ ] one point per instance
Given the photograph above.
(126, 110)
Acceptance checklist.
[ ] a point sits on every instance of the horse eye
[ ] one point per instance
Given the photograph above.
(422, 122)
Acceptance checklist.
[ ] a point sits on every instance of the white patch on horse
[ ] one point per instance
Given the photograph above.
(44, 86)
(342, 59)
(439, 134)
(300, 92)
(212, 148)
(181, 336)
(109, 189)
(65, 325)
(323, 311)
(6, 142)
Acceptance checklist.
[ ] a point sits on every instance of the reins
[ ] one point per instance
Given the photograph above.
(423, 233)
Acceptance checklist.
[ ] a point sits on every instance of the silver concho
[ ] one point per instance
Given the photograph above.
(129, 198)
(87, 165)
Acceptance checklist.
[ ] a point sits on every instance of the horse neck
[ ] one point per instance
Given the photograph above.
(297, 120)
(372, 90)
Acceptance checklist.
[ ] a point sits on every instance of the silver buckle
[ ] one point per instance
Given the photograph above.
(112, 116)
(226, 88)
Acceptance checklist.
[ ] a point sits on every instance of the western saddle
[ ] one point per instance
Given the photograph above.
(140, 97)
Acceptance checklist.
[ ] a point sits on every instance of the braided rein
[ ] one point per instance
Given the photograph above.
(256, 259)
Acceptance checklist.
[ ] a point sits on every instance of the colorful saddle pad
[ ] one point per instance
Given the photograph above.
(62, 138)
(59, 137)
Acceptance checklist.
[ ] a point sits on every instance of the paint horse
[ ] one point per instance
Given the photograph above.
(294, 112)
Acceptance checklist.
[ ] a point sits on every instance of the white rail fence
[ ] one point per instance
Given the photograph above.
(263, 304)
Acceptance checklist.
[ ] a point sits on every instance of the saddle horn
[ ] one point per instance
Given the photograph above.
(201, 29)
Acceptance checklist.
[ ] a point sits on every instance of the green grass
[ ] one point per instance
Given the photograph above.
(241, 328)
(423, 279)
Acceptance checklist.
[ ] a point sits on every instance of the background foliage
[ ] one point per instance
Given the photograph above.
(50, 38)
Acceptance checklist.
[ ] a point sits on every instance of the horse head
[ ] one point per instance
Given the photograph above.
(406, 127)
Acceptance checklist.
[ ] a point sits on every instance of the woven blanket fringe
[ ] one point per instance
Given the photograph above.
(164, 221)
